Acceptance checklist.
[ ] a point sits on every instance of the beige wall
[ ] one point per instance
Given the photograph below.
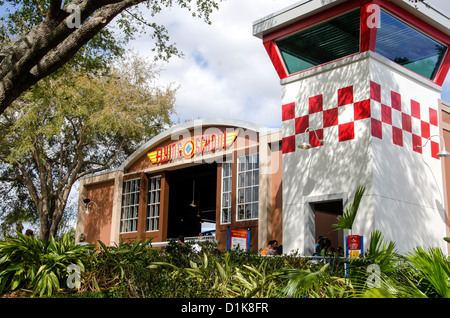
(102, 222)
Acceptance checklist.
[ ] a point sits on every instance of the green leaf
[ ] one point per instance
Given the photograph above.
(347, 219)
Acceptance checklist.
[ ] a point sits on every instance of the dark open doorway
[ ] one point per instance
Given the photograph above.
(325, 215)
(192, 199)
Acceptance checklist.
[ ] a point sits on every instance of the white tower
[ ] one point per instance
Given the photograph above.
(361, 83)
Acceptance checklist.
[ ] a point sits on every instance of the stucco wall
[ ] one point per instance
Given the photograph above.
(366, 143)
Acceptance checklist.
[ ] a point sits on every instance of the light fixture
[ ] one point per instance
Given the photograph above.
(88, 202)
(193, 205)
(305, 144)
(443, 153)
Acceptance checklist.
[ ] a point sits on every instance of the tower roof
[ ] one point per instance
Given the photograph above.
(429, 14)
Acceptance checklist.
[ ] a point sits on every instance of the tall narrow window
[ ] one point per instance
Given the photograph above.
(130, 206)
(248, 187)
(226, 193)
(154, 191)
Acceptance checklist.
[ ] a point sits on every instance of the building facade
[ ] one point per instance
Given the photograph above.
(361, 82)
(216, 172)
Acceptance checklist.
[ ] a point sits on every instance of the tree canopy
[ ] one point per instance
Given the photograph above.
(75, 123)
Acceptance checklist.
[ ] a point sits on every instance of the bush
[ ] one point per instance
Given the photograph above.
(137, 270)
(26, 262)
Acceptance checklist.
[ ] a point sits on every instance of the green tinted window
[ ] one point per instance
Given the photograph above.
(408, 47)
(325, 42)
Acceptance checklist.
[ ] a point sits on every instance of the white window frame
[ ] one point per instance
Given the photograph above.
(130, 207)
(153, 203)
(250, 188)
(227, 206)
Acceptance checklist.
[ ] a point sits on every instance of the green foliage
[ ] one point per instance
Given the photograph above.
(223, 275)
(137, 270)
(382, 253)
(74, 124)
(431, 268)
(26, 262)
(115, 268)
(346, 220)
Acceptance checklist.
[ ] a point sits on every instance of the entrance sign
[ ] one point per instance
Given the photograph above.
(238, 239)
(355, 246)
(193, 147)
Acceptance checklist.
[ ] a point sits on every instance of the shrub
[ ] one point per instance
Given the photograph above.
(26, 262)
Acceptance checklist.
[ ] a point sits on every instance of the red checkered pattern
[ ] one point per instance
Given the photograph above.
(405, 126)
(407, 123)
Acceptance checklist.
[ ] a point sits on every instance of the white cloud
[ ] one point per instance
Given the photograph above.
(226, 71)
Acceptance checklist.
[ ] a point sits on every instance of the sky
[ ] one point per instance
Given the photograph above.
(225, 71)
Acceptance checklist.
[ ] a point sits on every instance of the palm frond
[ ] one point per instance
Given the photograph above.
(345, 222)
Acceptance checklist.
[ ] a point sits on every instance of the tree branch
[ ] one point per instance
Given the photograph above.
(54, 9)
(50, 44)
(106, 165)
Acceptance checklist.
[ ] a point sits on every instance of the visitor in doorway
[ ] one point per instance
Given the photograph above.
(269, 247)
(319, 245)
(29, 233)
(273, 249)
(327, 249)
(279, 250)
(181, 240)
(82, 240)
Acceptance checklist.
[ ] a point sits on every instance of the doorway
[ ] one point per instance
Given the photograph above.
(325, 215)
(192, 200)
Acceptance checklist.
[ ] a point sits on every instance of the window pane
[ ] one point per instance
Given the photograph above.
(326, 42)
(240, 212)
(226, 199)
(225, 215)
(255, 193)
(408, 47)
(248, 195)
(153, 203)
(241, 164)
(226, 185)
(254, 210)
(248, 178)
(151, 211)
(226, 169)
(248, 188)
(241, 179)
(248, 211)
(241, 196)
(226, 192)
(255, 177)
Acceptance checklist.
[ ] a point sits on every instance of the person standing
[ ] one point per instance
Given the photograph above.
(82, 240)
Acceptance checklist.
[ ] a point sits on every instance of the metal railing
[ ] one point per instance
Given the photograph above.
(201, 238)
